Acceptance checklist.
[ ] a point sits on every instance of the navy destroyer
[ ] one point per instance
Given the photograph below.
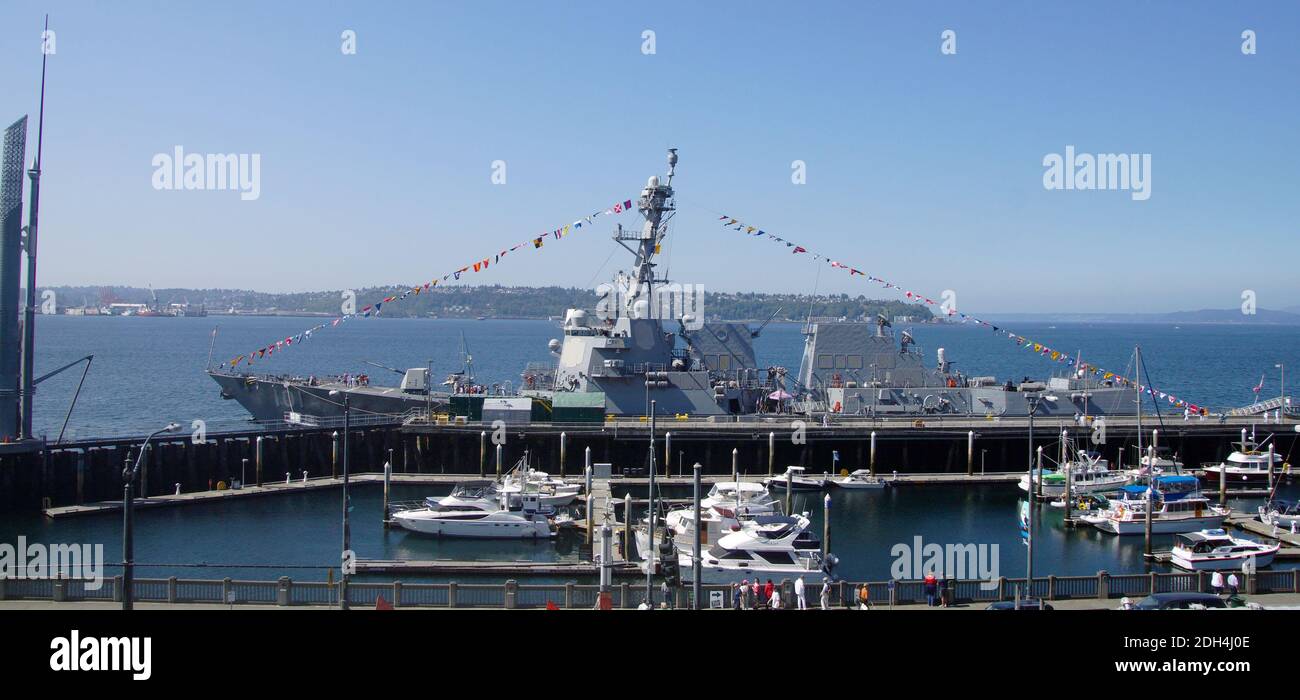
(646, 341)
(864, 369)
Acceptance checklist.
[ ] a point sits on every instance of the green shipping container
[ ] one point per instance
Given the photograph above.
(578, 407)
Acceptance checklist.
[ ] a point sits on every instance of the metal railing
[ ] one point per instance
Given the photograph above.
(624, 595)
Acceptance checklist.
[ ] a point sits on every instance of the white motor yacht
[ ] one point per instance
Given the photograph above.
(1208, 550)
(798, 481)
(768, 546)
(1283, 514)
(1246, 467)
(1178, 506)
(859, 479)
(518, 516)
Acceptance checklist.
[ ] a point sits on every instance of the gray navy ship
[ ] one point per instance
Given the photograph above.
(646, 341)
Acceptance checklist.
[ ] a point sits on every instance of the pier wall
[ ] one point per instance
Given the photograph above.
(91, 470)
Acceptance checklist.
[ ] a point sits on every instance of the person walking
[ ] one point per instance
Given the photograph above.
(931, 589)
(768, 588)
(744, 594)
(1216, 583)
(774, 601)
(735, 596)
(826, 593)
(799, 593)
(864, 597)
(1233, 583)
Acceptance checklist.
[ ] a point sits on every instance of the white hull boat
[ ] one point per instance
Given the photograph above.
(1216, 550)
(860, 479)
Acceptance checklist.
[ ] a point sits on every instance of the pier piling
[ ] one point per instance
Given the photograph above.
(564, 439)
(388, 475)
(970, 453)
(771, 453)
(873, 454)
(257, 455)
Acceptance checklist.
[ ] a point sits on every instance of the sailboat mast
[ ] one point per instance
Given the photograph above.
(1137, 387)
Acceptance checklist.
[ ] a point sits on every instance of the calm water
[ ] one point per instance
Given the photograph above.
(148, 371)
(264, 538)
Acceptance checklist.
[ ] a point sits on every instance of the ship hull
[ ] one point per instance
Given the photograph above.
(266, 399)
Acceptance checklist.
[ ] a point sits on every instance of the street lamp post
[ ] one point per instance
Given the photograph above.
(128, 521)
(345, 562)
(1033, 400)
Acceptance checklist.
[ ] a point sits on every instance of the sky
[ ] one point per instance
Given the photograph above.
(924, 168)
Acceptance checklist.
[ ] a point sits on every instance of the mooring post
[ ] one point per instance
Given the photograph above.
(668, 454)
(699, 541)
(563, 450)
(1146, 527)
(388, 474)
(1270, 469)
(873, 454)
(586, 463)
(590, 513)
(257, 457)
(826, 526)
(627, 527)
(1223, 483)
(499, 461)
(789, 492)
(771, 453)
(1155, 440)
(243, 472)
(970, 453)
(334, 459)
(735, 465)
(1038, 485)
(482, 453)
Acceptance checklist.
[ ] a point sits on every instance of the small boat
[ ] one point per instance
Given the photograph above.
(797, 480)
(1283, 514)
(553, 492)
(1164, 461)
(519, 516)
(1247, 466)
(1209, 550)
(1089, 473)
(1178, 507)
(859, 479)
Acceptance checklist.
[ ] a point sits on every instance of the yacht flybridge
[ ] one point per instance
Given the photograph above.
(768, 546)
(1248, 466)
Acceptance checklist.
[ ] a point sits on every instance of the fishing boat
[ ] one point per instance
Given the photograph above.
(1248, 466)
(768, 546)
(1088, 472)
(860, 479)
(1178, 507)
(1210, 550)
(798, 482)
(519, 516)
(1284, 514)
(553, 492)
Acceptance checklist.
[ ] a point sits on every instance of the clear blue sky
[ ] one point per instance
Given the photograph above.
(922, 167)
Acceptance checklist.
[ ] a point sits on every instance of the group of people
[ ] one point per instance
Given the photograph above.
(1217, 583)
(767, 596)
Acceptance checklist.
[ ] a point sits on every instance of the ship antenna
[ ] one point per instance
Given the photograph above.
(672, 164)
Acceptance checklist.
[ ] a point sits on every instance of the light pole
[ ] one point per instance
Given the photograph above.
(1282, 395)
(1033, 401)
(128, 523)
(345, 561)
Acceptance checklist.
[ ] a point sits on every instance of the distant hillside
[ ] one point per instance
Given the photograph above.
(460, 301)
(1261, 317)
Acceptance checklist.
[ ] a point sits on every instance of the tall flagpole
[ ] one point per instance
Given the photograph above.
(29, 313)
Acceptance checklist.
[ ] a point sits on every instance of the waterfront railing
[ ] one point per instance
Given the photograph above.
(511, 594)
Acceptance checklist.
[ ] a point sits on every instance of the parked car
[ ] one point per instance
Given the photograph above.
(1022, 604)
(1180, 601)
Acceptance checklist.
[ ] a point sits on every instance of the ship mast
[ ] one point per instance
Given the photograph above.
(656, 206)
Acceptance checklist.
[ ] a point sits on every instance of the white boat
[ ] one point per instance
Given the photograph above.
(519, 516)
(1162, 462)
(552, 492)
(1246, 467)
(768, 546)
(727, 504)
(1283, 514)
(859, 479)
(1178, 507)
(1208, 550)
(798, 481)
(1089, 473)
(479, 494)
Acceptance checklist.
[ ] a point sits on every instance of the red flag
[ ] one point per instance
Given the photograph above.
(381, 604)
(550, 605)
